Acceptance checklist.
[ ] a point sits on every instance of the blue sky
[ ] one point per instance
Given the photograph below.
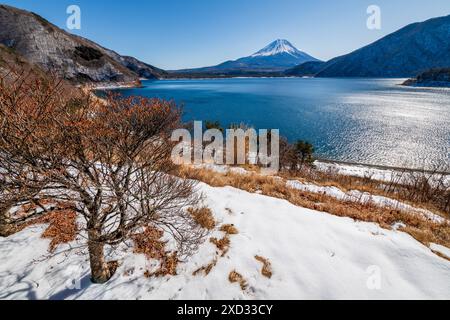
(174, 34)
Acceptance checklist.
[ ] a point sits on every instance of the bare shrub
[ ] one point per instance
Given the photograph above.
(426, 187)
(297, 156)
(111, 158)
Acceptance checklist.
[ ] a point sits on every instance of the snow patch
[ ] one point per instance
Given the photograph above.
(441, 249)
(314, 255)
(363, 197)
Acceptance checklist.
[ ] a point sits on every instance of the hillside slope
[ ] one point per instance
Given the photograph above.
(313, 255)
(70, 57)
(431, 78)
(405, 53)
(305, 69)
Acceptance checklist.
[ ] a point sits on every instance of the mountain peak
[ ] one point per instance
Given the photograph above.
(277, 56)
(277, 47)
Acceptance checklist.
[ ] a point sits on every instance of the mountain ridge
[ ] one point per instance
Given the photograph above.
(69, 56)
(413, 49)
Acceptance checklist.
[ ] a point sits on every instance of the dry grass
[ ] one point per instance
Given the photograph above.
(267, 267)
(421, 228)
(168, 266)
(62, 221)
(206, 269)
(203, 217)
(149, 243)
(443, 256)
(63, 227)
(235, 277)
(229, 229)
(129, 272)
(391, 189)
(223, 245)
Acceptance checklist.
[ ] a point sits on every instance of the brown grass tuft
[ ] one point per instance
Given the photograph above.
(229, 229)
(168, 266)
(267, 267)
(236, 277)
(443, 256)
(223, 244)
(203, 217)
(63, 227)
(206, 269)
(149, 243)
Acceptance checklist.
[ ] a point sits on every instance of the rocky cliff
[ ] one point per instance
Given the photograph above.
(68, 56)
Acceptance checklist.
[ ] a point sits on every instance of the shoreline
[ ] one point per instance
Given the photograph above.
(378, 167)
(362, 166)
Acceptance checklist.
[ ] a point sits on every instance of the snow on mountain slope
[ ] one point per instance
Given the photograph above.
(277, 47)
(313, 255)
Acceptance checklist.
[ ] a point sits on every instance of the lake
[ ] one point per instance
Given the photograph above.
(370, 121)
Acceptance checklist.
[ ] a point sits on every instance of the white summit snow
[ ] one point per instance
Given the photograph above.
(277, 47)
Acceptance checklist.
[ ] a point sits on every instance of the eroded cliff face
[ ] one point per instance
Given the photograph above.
(61, 53)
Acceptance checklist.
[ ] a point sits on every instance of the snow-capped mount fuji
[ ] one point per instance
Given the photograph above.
(278, 56)
(281, 47)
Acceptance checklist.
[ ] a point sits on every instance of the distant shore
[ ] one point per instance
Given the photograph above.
(378, 167)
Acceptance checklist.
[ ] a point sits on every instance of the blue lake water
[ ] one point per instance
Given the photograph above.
(372, 121)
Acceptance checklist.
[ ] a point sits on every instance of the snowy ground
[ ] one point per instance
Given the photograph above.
(364, 197)
(361, 171)
(353, 195)
(313, 255)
